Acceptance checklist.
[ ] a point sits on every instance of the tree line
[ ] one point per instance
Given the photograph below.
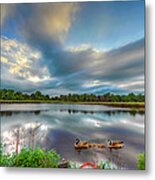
(9, 94)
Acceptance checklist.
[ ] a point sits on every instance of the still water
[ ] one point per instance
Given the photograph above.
(58, 125)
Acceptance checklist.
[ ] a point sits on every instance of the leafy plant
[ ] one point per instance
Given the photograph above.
(7, 160)
(37, 158)
(104, 165)
(141, 161)
(30, 158)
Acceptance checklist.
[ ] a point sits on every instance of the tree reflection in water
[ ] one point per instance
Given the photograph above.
(28, 135)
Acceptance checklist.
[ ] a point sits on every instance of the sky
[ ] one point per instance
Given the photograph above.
(62, 48)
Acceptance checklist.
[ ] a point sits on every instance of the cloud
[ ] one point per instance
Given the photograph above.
(20, 63)
(44, 62)
(54, 20)
(42, 27)
(69, 62)
(122, 63)
(114, 64)
(77, 70)
(45, 24)
(86, 69)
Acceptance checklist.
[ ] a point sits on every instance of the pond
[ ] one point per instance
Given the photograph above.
(58, 125)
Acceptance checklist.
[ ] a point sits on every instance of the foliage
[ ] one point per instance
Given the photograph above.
(31, 158)
(7, 160)
(141, 161)
(73, 165)
(101, 165)
(108, 97)
(39, 158)
(104, 165)
(8, 94)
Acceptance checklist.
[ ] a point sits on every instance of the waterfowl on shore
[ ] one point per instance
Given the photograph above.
(79, 145)
(115, 144)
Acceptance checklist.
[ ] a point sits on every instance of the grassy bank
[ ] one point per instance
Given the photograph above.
(119, 104)
(115, 104)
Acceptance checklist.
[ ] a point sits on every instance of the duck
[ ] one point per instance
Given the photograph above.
(79, 145)
(115, 144)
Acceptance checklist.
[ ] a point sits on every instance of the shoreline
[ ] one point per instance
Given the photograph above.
(113, 104)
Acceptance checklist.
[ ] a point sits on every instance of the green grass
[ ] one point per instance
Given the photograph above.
(117, 104)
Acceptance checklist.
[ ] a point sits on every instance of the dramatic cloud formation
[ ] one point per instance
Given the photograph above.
(99, 70)
(21, 63)
(44, 23)
(40, 59)
(53, 21)
(81, 70)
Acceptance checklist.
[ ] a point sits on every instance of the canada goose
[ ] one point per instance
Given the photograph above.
(79, 145)
(115, 144)
(77, 141)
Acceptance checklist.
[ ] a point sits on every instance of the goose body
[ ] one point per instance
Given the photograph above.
(115, 144)
(79, 145)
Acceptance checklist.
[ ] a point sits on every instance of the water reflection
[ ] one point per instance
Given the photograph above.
(30, 135)
(73, 111)
(57, 126)
(10, 113)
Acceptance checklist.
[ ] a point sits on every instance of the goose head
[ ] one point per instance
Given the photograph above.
(77, 141)
(109, 141)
